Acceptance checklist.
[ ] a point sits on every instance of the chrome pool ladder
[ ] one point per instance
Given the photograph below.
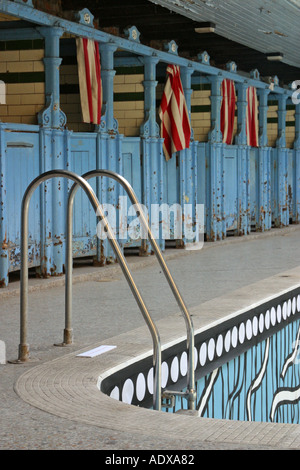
(81, 181)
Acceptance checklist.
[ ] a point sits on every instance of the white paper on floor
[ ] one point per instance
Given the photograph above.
(97, 351)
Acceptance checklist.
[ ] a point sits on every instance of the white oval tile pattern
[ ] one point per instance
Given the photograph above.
(140, 387)
(177, 367)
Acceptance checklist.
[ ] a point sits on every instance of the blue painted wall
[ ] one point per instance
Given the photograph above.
(243, 189)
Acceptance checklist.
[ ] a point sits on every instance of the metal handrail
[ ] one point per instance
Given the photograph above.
(190, 393)
(79, 181)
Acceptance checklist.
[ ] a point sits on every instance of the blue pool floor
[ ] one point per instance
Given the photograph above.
(104, 308)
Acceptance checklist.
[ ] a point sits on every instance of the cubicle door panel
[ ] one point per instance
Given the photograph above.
(230, 172)
(129, 227)
(172, 197)
(83, 159)
(22, 166)
(253, 181)
(291, 189)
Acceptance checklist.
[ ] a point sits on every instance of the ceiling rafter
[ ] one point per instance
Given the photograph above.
(158, 24)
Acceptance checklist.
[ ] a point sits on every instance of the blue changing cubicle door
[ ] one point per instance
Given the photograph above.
(260, 188)
(253, 187)
(201, 177)
(171, 192)
(22, 166)
(82, 160)
(129, 227)
(291, 190)
(230, 174)
(274, 186)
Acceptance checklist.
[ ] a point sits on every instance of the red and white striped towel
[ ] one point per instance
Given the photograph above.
(89, 73)
(228, 110)
(175, 123)
(252, 117)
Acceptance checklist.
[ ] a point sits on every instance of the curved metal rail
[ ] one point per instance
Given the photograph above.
(190, 393)
(79, 181)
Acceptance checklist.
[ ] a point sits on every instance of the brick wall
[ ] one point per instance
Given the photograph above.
(200, 112)
(290, 126)
(273, 124)
(22, 70)
(129, 100)
(70, 98)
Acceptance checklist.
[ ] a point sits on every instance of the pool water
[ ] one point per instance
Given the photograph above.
(262, 384)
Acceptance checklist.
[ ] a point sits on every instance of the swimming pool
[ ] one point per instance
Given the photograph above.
(68, 385)
(246, 366)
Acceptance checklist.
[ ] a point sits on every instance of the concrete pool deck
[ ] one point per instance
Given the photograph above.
(52, 402)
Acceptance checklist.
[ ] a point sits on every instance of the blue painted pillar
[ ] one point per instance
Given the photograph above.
(109, 154)
(241, 136)
(243, 163)
(263, 95)
(150, 127)
(216, 220)
(263, 171)
(152, 153)
(107, 51)
(281, 138)
(188, 170)
(46, 253)
(297, 163)
(281, 213)
(52, 156)
(4, 264)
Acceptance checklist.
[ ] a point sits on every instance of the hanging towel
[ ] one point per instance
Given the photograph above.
(228, 110)
(252, 117)
(89, 73)
(175, 123)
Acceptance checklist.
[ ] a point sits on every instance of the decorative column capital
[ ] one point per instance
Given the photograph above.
(150, 60)
(50, 31)
(107, 48)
